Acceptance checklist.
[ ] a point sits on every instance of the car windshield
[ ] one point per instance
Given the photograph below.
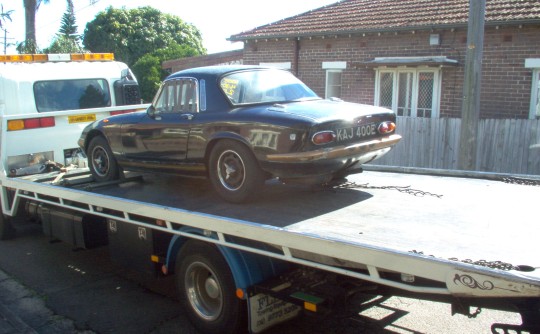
(264, 86)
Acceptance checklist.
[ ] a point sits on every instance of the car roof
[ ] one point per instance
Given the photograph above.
(216, 71)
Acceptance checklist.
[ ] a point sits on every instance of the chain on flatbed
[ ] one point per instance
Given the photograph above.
(521, 181)
(402, 189)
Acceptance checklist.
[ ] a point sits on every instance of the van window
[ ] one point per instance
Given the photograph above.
(58, 95)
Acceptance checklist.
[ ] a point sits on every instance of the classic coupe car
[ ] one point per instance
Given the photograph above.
(239, 126)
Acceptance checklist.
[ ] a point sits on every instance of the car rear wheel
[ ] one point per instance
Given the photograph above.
(102, 163)
(234, 171)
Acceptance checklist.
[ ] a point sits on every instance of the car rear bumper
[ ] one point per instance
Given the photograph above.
(337, 152)
(327, 163)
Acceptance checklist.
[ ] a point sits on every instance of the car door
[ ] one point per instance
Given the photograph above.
(162, 135)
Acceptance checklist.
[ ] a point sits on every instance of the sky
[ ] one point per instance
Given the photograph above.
(216, 19)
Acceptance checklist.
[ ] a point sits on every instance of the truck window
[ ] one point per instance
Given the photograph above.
(58, 95)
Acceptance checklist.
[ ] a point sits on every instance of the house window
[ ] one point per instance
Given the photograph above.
(535, 96)
(534, 64)
(334, 71)
(333, 83)
(408, 91)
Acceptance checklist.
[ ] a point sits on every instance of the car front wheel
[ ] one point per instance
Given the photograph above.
(234, 171)
(102, 163)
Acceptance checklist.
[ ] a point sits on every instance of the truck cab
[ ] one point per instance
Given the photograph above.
(54, 96)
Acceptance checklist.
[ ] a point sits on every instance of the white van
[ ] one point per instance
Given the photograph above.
(55, 96)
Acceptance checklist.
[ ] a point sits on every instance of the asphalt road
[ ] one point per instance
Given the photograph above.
(51, 288)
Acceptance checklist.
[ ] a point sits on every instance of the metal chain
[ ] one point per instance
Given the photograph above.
(524, 182)
(405, 189)
(489, 264)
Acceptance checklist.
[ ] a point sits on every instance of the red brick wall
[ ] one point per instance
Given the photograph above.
(506, 83)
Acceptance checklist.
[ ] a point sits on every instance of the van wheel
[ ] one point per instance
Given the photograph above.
(7, 231)
(207, 291)
(102, 163)
(234, 171)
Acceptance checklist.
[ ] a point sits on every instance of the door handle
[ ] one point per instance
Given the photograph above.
(189, 117)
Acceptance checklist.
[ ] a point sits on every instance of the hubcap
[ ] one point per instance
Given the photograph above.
(231, 170)
(100, 161)
(203, 291)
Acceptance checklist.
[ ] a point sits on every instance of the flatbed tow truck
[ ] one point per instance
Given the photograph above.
(467, 241)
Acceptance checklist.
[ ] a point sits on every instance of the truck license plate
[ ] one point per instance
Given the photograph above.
(81, 118)
(266, 311)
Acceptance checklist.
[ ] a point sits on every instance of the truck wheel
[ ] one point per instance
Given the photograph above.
(207, 291)
(234, 171)
(7, 231)
(102, 163)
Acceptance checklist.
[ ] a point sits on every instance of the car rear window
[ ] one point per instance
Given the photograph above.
(58, 95)
(264, 86)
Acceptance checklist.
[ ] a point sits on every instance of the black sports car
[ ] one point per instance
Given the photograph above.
(239, 126)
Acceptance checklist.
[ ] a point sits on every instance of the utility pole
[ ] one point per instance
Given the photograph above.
(470, 110)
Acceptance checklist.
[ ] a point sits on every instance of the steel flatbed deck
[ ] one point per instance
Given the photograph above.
(416, 225)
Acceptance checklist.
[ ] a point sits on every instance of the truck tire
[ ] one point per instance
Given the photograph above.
(7, 231)
(102, 163)
(234, 171)
(207, 290)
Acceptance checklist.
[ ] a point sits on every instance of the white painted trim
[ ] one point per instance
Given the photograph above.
(283, 65)
(532, 63)
(334, 65)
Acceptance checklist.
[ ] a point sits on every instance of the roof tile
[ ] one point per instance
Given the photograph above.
(350, 16)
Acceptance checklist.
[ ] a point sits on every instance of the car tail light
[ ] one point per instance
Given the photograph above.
(387, 127)
(120, 112)
(323, 137)
(31, 123)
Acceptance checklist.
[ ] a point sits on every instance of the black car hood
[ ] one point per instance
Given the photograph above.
(327, 110)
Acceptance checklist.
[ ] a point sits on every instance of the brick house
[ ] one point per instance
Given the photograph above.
(408, 55)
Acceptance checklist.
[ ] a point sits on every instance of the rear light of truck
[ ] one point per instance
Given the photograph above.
(31, 123)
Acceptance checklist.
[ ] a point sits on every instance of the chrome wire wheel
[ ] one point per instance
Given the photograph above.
(231, 170)
(204, 291)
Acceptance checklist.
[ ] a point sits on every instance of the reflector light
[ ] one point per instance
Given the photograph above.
(323, 137)
(31, 123)
(387, 127)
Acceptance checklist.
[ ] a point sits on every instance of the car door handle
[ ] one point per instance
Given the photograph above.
(189, 117)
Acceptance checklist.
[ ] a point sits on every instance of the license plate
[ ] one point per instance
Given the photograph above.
(356, 132)
(81, 118)
(266, 311)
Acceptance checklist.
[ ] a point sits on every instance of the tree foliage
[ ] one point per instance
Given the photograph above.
(148, 68)
(4, 16)
(66, 40)
(132, 33)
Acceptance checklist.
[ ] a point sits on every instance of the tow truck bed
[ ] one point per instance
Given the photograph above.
(420, 225)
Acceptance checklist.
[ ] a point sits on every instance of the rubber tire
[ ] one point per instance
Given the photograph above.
(250, 181)
(7, 231)
(229, 315)
(106, 168)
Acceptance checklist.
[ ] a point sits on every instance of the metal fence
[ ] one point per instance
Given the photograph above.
(504, 145)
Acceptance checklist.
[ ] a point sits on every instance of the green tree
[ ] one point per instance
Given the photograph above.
(132, 33)
(148, 68)
(67, 40)
(30, 9)
(4, 16)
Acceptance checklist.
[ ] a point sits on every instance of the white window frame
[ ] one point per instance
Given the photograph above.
(436, 98)
(332, 67)
(534, 109)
